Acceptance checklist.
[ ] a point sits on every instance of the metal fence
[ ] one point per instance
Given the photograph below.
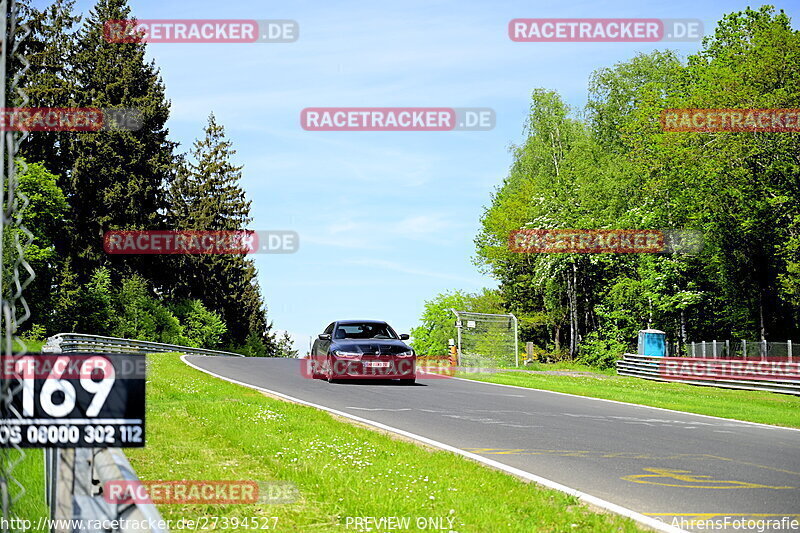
(15, 272)
(486, 340)
(741, 349)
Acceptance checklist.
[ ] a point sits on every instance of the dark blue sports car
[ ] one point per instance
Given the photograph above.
(357, 349)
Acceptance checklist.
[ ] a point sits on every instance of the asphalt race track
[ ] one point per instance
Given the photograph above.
(659, 463)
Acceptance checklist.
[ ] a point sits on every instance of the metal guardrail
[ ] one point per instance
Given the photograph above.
(648, 367)
(75, 479)
(82, 343)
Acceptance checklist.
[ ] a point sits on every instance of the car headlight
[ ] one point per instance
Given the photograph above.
(342, 353)
(408, 353)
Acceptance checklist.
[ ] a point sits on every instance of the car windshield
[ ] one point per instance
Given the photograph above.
(364, 330)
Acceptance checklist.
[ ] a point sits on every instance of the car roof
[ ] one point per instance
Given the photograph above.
(345, 322)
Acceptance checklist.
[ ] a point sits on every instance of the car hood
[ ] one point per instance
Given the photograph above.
(371, 346)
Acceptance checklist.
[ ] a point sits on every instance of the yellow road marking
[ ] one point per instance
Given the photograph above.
(625, 455)
(755, 464)
(587, 453)
(692, 481)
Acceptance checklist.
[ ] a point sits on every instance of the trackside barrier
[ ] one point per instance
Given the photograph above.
(74, 478)
(648, 367)
(74, 483)
(81, 343)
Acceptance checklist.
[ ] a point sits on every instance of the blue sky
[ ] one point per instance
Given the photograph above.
(386, 219)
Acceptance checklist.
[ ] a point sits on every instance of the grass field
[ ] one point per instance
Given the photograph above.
(30, 473)
(752, 406)
(200, 427)
(28, 469)
(31, 346)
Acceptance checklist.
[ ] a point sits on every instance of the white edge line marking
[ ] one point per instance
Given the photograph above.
(770, 426)
(657, 525)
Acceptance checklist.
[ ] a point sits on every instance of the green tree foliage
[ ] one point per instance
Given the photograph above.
(49, 81)
(66, 298)
(44, 218)
(617, 169)
(202, 328)
(207, 195)
(118, 177)
(285, 346)
(438, 321)
(95, 312)
(141, 316)
(130, 180)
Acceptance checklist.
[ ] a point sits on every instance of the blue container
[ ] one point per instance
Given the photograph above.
(652, 342)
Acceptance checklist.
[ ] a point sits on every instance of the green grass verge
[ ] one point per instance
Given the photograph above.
(201, 427)
(30, 473)
(563, 365)
(28, 468)
(31, 346)
(752, 406)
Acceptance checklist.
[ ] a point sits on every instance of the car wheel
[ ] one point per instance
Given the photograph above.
(329, 376)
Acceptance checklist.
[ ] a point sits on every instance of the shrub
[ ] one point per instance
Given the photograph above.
(600, 352)
(202, 327)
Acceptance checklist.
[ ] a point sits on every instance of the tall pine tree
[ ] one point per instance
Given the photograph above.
(49, 50)
(118, 178)
(207, 195)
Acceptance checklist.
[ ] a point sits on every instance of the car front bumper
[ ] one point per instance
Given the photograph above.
(378, 368)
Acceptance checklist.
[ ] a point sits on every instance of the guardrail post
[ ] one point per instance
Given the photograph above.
(789, 349)
(763, 349)
(62, 508)
(714, 348)
(694, 354)
(744, 349)
(703, 351)
(728, 349)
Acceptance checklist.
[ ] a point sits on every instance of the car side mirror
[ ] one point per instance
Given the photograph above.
(324, 336)
(404, 336)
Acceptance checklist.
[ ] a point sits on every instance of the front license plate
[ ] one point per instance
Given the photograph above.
(376, 364)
